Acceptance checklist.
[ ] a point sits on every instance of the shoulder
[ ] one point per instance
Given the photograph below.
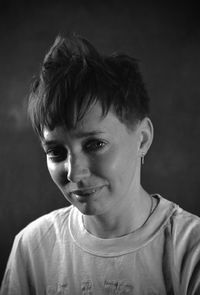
(186, 226)
(186, 243)
(180, 226)
(185, 223)
(48, 227)
(179, 222)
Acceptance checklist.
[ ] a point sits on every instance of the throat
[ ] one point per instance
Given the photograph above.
(103, 228)
(107, 227)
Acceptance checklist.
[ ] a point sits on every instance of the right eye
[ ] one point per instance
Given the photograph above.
(56, 154)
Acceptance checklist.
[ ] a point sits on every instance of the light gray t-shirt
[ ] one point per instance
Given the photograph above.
(56, 255)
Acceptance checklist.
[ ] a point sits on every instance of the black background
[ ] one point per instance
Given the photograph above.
(165, 37)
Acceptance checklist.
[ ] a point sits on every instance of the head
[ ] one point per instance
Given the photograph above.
(91, 114)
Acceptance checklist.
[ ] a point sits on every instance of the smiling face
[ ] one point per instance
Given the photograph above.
(97, 164)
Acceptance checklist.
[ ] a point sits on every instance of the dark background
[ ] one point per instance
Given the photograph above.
(165, 37)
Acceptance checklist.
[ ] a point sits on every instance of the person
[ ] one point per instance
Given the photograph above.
(91, 113)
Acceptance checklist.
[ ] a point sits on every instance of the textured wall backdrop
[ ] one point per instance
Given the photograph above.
(166, 38)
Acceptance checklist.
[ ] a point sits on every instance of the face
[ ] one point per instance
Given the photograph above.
(97, 164)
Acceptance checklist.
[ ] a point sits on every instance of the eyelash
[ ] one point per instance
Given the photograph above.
(56, 154)
(94, 145)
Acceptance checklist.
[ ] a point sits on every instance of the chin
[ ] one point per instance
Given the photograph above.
(87, 209)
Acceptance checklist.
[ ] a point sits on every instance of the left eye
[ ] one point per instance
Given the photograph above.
(94, 145)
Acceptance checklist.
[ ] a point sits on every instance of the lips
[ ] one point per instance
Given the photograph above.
(87, 191)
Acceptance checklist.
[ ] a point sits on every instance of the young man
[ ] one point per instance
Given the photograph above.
(91, 113)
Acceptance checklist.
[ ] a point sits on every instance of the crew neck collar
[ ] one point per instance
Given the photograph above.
(125, 244)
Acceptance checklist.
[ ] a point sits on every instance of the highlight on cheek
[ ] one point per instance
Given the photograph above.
(51, 165)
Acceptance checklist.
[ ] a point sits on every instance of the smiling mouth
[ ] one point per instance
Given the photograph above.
(84, 193)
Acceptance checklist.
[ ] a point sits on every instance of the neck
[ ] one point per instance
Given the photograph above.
(129, 219)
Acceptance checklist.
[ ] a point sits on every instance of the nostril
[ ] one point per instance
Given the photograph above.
(76, 174)
(77, 169)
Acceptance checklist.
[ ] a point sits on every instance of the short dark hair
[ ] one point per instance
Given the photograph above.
(74, 76)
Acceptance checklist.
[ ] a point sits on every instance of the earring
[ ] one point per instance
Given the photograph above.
(142, 158)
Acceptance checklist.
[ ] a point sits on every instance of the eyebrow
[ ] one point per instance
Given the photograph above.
(88, 134)
(45, 143)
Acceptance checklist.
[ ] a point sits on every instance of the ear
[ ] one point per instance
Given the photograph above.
(146, 136)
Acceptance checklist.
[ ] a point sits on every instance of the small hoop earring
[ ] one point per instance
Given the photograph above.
(142, 158)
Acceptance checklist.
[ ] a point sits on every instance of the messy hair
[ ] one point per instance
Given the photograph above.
(74, 76)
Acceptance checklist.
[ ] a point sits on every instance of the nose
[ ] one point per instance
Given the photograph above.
(77, 168)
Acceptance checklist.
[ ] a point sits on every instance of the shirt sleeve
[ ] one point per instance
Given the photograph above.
(187, 244)
(16, 278)
(30, 268)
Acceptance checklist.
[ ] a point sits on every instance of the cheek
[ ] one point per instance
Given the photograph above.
(56, 172)
(117, 166)
(108, 165)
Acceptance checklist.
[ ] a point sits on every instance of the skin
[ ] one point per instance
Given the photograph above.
(97, 168)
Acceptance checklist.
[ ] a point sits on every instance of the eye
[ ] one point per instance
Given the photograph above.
(56, 154)
(94, 145)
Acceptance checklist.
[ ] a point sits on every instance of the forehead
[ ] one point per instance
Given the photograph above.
(92, 123)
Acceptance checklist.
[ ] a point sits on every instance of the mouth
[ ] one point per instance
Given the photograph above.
(86, 193)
